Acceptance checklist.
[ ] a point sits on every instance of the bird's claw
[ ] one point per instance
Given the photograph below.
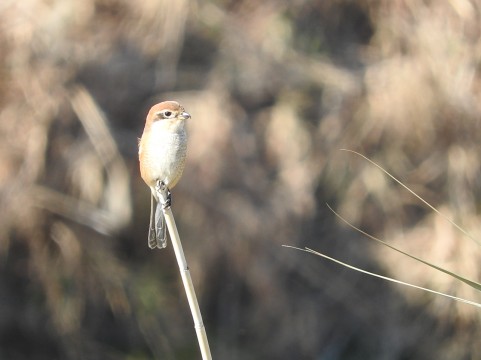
(164, 194)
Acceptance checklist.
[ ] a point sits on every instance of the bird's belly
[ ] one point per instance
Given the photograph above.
(166, 157)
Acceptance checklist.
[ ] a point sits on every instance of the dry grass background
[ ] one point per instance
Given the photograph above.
(275, 89)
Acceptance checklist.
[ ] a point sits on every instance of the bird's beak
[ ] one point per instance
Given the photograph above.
(184, 115)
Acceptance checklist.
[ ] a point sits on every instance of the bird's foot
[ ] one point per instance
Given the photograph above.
(164, 195)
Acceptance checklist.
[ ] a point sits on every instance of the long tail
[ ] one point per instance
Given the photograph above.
(160, 227)
(157, 228)
(152, 237)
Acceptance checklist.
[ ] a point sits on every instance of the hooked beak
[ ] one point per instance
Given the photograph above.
(184, 115)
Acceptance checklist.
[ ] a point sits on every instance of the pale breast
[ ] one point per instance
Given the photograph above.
(164, 156)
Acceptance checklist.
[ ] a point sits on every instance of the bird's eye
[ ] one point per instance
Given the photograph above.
(168, 114)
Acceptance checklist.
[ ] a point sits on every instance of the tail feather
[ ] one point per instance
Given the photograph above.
(152, 230)
(160, 227)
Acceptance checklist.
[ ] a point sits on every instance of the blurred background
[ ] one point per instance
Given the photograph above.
(275, 89)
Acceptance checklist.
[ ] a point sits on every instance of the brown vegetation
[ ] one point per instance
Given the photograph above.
(275, 89)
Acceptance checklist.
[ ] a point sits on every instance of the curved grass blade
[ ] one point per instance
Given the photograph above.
(471, 283)
(416, 195)
(308, 250)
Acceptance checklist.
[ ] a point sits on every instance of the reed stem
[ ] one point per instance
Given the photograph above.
(188, 285)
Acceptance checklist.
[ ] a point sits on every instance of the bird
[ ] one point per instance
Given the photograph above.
(162, 154)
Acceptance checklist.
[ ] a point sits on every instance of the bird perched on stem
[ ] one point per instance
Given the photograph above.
(162, 152)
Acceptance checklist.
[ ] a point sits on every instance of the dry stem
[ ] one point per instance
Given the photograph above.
(188, 285)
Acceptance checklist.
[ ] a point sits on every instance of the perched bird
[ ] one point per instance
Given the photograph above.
(162, 151)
